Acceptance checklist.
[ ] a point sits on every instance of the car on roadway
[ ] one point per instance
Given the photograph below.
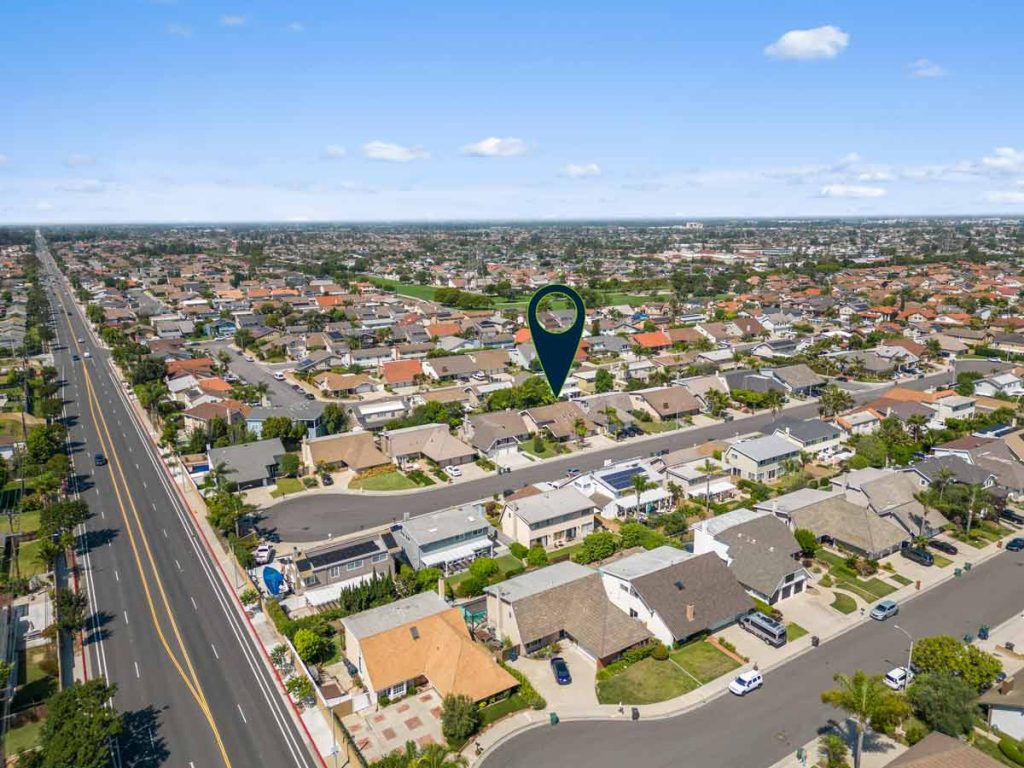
(87, 354)
(74, 358)
(81, 340)
(249, 358)
(309, 396)
(1015, 545)
(560, 670)
(453, 471)
(1014, 517)
(746, 682)
(943, 546)
(918, 555)
(886, 609)
(898, 678)
(572, 471)
(278, 376)
(99, 460)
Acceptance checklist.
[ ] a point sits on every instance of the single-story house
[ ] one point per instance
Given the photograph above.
(249, 465)
(559, 420)
(352, 450)
(798, 380)
(497, 434)
(431, 441)
(666, 403)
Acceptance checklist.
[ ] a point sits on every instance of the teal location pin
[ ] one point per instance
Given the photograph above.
(556, 351)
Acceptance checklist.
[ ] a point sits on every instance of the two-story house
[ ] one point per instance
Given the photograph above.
(762, 458)
(550, 519)
(450, 539)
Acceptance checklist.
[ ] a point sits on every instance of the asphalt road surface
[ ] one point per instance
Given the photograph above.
(280, 392)
(769, 724)
(162, 627)
(314, 517)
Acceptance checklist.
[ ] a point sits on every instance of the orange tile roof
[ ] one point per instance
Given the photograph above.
(652, 340)
(521, 336)
(443, 329)
(401, 370)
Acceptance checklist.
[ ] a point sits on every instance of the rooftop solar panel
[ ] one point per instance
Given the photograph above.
(623, 478)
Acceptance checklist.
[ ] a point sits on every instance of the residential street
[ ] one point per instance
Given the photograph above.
(163, 628)
(280, 392)
(762, 728)
(312, 517)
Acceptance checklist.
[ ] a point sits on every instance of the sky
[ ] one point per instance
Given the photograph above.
(353, 110)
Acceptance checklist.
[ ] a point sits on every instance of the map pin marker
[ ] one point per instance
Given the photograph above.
(556, 351)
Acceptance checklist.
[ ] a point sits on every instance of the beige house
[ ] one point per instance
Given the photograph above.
(431, 441)
(762, 459)
(353, 450)
(551, 519)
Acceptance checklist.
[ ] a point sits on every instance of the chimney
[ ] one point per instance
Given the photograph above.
(689, 611)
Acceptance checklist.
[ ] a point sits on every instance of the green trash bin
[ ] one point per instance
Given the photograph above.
(553, 717)
(957, 573)
(967, 566)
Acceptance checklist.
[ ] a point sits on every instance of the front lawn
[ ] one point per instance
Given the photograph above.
(287, 485)
(23, 737)
(702, 660)
(28, 559)
(549, 450)
(387, 481)
(903, 581)
(794, 631)
(942, 562)
(26, 522)
(35, 682)
(654, 427)
(646, 682)
(844, 603)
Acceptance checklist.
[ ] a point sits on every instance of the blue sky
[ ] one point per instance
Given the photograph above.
(181, 110)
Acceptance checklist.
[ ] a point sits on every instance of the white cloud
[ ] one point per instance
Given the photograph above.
(333, 152)
(296, 26)
(495, 147)
(581, 170)
(393, 153)
(1006, 197)
(926, 68)
(232, 21)
(1005, 159)
(878, 174)
(853, 191)
(77, 160)
(179, 30)
(81, 186)
(805, 44)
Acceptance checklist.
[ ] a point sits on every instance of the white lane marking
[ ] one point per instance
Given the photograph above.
(216, 655)
(137, 675)
(143, 482)
(116, 576)
(194, 606)
(177, 564)
(242, 714)
(126, 617)
(165, 532)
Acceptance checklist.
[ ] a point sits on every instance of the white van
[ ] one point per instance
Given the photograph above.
(746, 682)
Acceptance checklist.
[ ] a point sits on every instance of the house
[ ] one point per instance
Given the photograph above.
(613, 490)
(937, 750)
(377, 413)
(351, 450)
(340, 385)
(323, 572)
(559, 420)
(550, 519)
(798, 380)
(452, 367)
(991, 454)
(450, 539)
(674, 594)
(497, 434)
(1005, 383)
(308, 413)
(249, 465)
(864, 421)
(401, 373)
(760, 550)
(565, 601)
(666, 403)
(812, 436)
(927, 470)
(612, 413)
(859, 529)
(893, 495)
(430, 441)
(775, 348)
(761, 458)
(421, 641)
(702, 478)
(1004, 704)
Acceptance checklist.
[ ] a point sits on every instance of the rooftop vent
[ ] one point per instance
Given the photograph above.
(415, 632)
(680, 585)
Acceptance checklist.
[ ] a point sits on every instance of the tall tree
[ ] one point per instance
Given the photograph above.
(866, 700)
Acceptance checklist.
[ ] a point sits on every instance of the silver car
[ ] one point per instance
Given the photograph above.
(886, 609)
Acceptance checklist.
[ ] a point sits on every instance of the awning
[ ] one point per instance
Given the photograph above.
(717, 486)
(461, 552)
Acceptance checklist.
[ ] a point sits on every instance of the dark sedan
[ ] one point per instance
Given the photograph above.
(561, 671)
(943, 546)
(1015, 545)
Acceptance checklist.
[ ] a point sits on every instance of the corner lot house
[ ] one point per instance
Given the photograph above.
(323, 572)
(551, 519)
(250, 464)
(675, 594)
(565, 601)
(450, 539)
(421, 640)
(762, 458)
(758, 548)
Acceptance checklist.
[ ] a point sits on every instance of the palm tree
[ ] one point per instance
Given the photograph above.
(978, 504)
(916, 424)
(834, 401)
(437, 756)
(675, 492)
(863, 697)
(710, 470)
(773, 401)
(943, 479)
(641, 484)
(579, 426)
(217, 474)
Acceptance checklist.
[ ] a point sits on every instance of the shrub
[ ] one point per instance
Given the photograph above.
(914, 730)
(1012, 749)
(249, 597)
(537, 557)
(826, 581)
(279, 655)
(660, 653)
(459, 718)
(472, 586)
(383, 700)
(300, 687)
(526, 689)
(311, 647)
(518, 550)
(483, 568)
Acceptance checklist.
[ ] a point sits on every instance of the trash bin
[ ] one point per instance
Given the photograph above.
(815, 641)
(513, 655)
(967, 566)
(957, 573)
(983, 632)
(553, 717)
(968, 638)
(635, 714)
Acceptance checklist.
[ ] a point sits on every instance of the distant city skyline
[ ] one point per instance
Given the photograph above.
(172, 110)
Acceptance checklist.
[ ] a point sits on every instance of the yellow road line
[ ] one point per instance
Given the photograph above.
(193, 685)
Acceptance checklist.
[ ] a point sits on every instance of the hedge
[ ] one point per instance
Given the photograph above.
(1012, 749)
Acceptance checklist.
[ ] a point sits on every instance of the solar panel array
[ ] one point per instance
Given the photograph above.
(622, 479)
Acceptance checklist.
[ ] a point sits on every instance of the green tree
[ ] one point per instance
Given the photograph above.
(71, 611)
(773, 401)
(807, 540)
(289, 465)
(536, 557)
(335, 419)
(943, 653)
(866, 699)
(79, 726)
(459, 718)
(641, 484)
(834, 401)
(311, 647)
(945, 702)
(717, 402)
(596, 546)
(276, 426)
(833, 749)
(483, 567)
(603, 381)
(436, 756)
(300, 687)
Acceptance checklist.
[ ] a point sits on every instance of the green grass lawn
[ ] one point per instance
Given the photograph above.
(23, 737)
(991, 748)
(28, 562)
(646, 682)
(565, 553)
(867, 589)
(794, 631)
(26, 522)
(940, 561)
(655, 427)
(505, 564)
(702, 660)
(903, 581)
(35, 684)
(494, 712)
(844, 603)
(388, 481)
(286, 485)
(548, 452)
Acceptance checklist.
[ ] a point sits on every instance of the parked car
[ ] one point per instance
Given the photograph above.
(81, 340)
(560, 670)
(898, 678)
(1014, 517)
(326, 479)
(943, 546)
(885, 610)
(1015, 545)
(87, 354)
(278, 375)
(746, 682)
(99, 460)
(263, 554)
(310, 396)
(453, 471)
(919, 556)
(572, 471)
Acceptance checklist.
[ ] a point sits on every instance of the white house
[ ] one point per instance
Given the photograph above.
(613, 490)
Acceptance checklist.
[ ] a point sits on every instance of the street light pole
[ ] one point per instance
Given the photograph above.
(910, 653)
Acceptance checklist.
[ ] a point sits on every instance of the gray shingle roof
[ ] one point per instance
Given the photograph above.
(762, 552)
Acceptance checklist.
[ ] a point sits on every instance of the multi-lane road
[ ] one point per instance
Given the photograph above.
(787, 712)
(163, 626)
(313, 517)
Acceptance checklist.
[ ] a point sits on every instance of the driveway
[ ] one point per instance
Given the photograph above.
(579, 694)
